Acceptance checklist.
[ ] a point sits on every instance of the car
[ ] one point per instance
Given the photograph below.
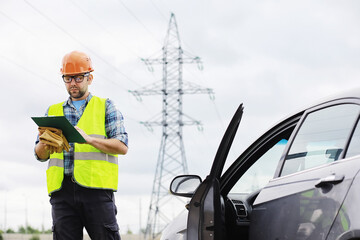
(298, 181)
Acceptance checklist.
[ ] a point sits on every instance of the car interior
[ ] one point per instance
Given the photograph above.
(237, 194)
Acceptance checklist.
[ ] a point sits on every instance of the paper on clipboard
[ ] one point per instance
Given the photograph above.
(60, 122)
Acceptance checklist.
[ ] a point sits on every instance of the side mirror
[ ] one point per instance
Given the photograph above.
(185, 185)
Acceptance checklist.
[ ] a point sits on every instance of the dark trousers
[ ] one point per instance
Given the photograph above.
(75, 207)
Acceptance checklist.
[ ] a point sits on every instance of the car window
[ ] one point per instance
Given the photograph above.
(321, 138)
(354, 147)
(259, 174)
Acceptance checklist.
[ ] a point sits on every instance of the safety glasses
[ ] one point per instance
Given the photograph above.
(77, 78)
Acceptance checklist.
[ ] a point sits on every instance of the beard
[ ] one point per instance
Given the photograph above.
(79, 93)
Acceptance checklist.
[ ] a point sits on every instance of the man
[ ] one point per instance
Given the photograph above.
(81, 182)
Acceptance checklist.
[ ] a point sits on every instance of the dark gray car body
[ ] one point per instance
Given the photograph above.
(314, 189)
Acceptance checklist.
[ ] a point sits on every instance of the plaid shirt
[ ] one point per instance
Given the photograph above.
(114, 126)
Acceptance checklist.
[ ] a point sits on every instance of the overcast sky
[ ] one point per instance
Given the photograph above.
(274, 56)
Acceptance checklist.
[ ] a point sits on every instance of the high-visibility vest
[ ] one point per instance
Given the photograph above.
(92, 168)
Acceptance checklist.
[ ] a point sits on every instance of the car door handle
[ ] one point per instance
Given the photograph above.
(332, 179)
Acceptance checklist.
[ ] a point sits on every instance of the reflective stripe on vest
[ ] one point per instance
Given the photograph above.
(92, 168)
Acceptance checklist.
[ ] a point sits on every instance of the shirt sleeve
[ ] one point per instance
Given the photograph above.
(114, 123)
(37, 141)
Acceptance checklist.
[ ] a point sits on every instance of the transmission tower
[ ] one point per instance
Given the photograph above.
(171, 159)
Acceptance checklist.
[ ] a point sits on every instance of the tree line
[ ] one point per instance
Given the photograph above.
(26, 230)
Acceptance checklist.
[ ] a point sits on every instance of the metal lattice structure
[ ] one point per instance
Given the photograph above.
(171, 159)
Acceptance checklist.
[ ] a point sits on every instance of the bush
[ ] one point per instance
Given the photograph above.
(35, 237)
(28, 230)
(10, 231)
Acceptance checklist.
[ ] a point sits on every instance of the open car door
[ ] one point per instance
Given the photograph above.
(206, 208)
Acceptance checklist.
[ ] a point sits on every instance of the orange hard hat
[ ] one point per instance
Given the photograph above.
(76, 62)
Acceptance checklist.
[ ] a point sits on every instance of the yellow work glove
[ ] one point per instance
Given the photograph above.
(55, 140)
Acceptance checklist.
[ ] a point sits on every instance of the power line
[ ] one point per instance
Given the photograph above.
(132, 14)
(158, 10)
(142, 24)
(170, 11)
(33, 73)
(103, 28)
(27, 70)
(17, 23)
(76, 40)
(219, 116)
(138, 20)
(24, 68)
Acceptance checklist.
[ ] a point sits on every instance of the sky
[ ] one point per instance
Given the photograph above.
(272, 56)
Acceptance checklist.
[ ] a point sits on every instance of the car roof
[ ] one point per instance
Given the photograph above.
(347, 94)
(351, 93)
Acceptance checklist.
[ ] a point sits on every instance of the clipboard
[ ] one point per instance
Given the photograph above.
(60, 122)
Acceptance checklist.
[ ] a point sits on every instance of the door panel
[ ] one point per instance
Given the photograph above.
(292, 207)
(206, 208)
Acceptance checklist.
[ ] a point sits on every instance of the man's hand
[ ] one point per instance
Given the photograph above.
(110, 146)
(84, 135)
(42, 149)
